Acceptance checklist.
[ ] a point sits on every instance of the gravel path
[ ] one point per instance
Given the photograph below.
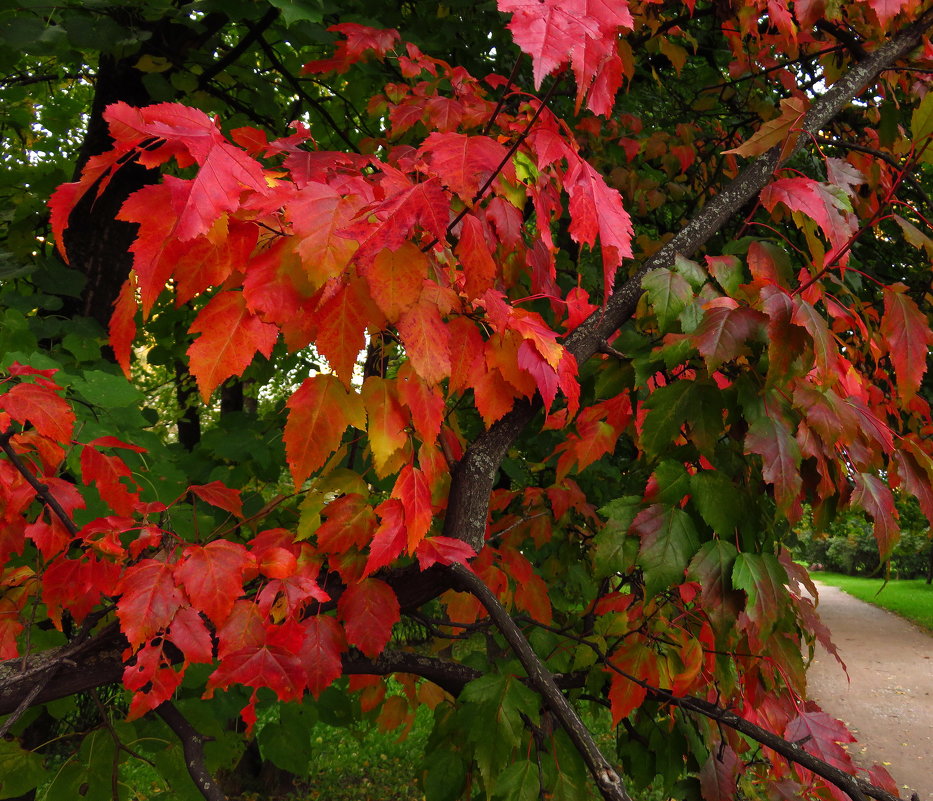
(888, 699)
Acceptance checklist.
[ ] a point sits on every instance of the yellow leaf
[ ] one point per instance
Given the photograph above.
(149, 63)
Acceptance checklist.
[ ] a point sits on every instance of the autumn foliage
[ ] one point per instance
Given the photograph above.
(483, 285)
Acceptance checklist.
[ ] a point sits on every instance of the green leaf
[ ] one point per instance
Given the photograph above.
(500, 702)
(518, 782)
(669, 407)
(672, 481)
(728, 271)
(698, 404)
(719, 501)
(570, 783)
(106, 389)
(615, 548)
(87, 776)
(299, 10)
(287, 743)
(668, 293)
(921, 121)
(763, 579)
(445, 776)
(668, 541)
(20, 770)
(693, 272)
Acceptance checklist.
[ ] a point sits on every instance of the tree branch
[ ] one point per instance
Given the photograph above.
(41, 489)
(192, 742)
(253, 32)
(299, 90)
(607, 779)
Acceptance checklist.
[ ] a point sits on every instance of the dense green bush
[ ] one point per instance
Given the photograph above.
(848, 545)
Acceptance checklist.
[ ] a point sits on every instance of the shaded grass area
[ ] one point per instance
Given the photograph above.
(909, 598)
(367, 765)
(364, 764)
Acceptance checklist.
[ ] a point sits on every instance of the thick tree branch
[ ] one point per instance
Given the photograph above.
(473, 479)
(607, 779)
(192, 743)
(62, 671)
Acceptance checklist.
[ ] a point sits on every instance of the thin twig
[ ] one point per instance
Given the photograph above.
(253, 32)
(505, 160)
(41, 489)
(885, 157)
(300, 91)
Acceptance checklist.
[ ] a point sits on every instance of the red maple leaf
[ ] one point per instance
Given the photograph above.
(722, 334)
(875, 497)
(473, 250)
(349, 524)
(390, 538)
(342, 319)
(212, 576)
(317, 212)
(464, 163)
(220, 495)
(907, 334)
(231, 335)
(387, 423)
(824, 204)
(555, 31)
(190, 635)
(412, 489)
(369, 610)
(360, 40)
(396, 278)
(426, 341)
(425, 404)
(408, 205)
(274, 666)
(320, 652)
(190, 135)
(48, 412)
(319, 412)
(719, 774)
(820, 734)
(780, 454)
(149, 600)
(596, 210)
(444, 551)
(105, 471)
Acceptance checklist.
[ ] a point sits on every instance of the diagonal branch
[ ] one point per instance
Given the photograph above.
(607, 779)
(474, 476)
(254, 31)
(192, 743)
(42, 490)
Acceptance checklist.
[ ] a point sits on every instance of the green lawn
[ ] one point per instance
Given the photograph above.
(912, 599)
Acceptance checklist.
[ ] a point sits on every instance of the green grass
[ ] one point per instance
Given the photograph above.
(911, 599)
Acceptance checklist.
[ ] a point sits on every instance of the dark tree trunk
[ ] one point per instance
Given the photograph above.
(98, 244)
